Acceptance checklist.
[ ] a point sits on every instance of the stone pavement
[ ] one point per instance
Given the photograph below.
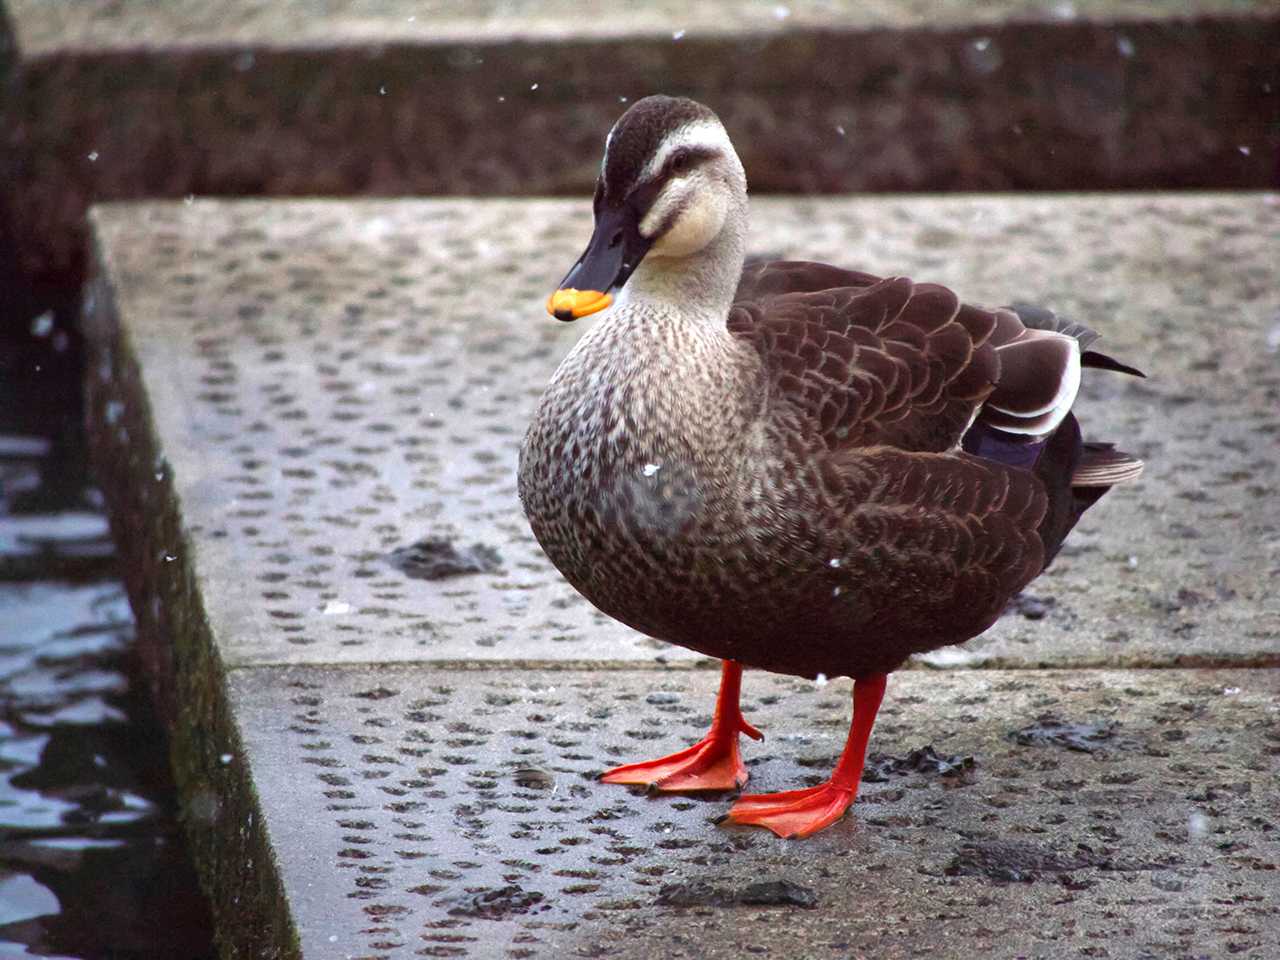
(389, 710)
(417, 812)
(122, 99)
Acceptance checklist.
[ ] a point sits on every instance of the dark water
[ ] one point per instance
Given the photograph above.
(92, 859)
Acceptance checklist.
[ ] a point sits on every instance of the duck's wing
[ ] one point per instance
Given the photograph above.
(889, 375)
(869, 362)
(762, 277)
(965, 533)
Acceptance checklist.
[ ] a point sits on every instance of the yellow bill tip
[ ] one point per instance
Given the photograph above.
(570, 304)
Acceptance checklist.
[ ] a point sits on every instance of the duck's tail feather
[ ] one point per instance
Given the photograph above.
(1099, 468)
(1027, 420)
(1042, 318)
(1100, 361)
(1102, 465)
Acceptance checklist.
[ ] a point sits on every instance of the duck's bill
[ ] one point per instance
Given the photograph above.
(615, 250)
(570, 304)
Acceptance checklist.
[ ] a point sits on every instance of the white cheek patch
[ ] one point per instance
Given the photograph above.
(663, 206)
(692, 208)
(699, 222)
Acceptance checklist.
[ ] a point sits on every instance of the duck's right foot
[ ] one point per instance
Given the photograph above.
(712, 763)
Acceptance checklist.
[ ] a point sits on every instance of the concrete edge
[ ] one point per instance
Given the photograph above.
(236, 864)
(960, 660)
(145, 479)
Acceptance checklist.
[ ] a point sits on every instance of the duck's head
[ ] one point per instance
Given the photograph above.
(669, 182)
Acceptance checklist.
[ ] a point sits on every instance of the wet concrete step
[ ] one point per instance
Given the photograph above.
(284, 396)
(291, 398)
(118, 99)
(408, 811)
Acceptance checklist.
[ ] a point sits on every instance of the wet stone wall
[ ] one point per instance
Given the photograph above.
(121, 100)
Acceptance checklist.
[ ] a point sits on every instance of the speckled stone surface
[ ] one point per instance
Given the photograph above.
(302, 389)
(417, 812)
(118, 100)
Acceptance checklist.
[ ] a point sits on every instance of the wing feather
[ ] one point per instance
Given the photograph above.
(975, 521)
(867, 361)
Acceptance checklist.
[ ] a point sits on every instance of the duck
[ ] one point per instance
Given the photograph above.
(786, 465)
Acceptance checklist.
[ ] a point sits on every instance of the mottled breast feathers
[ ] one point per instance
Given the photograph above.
(870, 362)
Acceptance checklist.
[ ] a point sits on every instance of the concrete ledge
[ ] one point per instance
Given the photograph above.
(124, 100)
(127, 24)
(285, 394)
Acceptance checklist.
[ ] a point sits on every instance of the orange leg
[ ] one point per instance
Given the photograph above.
(710, 764)
(799, 813)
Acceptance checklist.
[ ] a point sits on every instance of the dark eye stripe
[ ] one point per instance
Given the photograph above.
(691, 157)
(670, 220)
(641, 198)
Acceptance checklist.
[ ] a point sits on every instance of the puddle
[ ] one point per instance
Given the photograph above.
(1049, 730)
(499, 903)
(437, 558)
(1010, 861)
(723, 893)
(1031, 607)
(1013, 862)
(879, 766)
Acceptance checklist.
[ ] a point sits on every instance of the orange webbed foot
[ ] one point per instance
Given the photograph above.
(793, 813)
(802, 813)
(712, 763)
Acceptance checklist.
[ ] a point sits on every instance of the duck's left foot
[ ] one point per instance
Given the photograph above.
(801, 813)
(793, 813)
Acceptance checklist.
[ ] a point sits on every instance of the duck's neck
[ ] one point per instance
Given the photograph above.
(700, 286)
(660, 364)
